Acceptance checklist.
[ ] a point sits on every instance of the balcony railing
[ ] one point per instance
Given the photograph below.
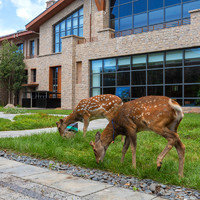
(152, 27)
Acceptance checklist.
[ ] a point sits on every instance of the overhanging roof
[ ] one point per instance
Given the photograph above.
(16, 35)
(47, 14)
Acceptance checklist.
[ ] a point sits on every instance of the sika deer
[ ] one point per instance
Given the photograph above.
(155, 113)
(100, 106)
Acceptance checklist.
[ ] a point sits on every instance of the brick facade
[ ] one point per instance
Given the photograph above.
(96, 25)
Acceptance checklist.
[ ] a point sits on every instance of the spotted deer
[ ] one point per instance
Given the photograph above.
(152, 113)
(100, 106)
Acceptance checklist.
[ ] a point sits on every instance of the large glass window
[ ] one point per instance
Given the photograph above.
(134, 14)
(72, 25)
(175, 74)
(32, 48)
(20, 47)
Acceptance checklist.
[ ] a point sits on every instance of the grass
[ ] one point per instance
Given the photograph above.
(23, 110)
(34, 121)
(77, 151)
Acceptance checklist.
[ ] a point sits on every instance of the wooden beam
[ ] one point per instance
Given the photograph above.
(101, 4)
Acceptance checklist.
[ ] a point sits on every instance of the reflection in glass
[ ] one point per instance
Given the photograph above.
(152, 4)
(123, 92)
(114, 2)
(123, 78)
(192, 56)
(96, 66)
(155, 77)
(156, 60)
(190, 6)
(110, 65)
(156, 17)
(109, 90)
(126, 23)
(192, 74)
(155, 90)
(138, 77)
(109, 79)
(115, 25)
(173, 76)
(173, 13)
(96, 91)
(96, 80)
(173, 91)
(192, 102)
(124, 63)
(139, 6)
(125, 10)
(140, 20)
(172, 2)
(192, 90)
(138, 92)
(114, 12)
(174, 58)
(139, 62)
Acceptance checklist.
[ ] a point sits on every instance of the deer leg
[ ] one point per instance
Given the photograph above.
(125, 147)
(180, 148)
(86, 123)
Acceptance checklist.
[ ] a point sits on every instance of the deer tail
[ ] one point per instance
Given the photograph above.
(177, 108)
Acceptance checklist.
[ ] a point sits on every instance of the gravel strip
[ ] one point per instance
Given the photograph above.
(146, 185)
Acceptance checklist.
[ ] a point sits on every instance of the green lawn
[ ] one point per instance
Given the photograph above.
(77, 151)
(47, 111)
(33, 121)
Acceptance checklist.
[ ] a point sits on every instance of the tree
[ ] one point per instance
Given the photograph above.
(12, 69)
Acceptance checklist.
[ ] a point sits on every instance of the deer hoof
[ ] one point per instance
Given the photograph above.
(159, 167)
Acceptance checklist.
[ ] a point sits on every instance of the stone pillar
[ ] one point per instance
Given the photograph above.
(195, 16)
(105, 34)
(68, 78)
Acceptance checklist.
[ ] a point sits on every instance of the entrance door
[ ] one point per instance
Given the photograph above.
(55, 81)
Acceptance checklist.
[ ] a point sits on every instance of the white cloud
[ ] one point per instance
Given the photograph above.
(28, 9)
(1, 4)
(4, 32)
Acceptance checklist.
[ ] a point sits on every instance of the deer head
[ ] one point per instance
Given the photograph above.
(61, 127)
(98, 148)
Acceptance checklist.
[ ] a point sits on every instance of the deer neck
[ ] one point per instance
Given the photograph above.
(108, 135)
(70, 119)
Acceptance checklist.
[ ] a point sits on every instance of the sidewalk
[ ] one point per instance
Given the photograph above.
(19, 181)
(95, 124)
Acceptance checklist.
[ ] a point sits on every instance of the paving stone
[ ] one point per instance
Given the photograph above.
(116, 193)
(79, 186)
(24, 170)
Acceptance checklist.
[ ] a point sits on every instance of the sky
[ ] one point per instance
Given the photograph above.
(15, 14)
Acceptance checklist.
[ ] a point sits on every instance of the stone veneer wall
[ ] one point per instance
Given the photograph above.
(158, 40)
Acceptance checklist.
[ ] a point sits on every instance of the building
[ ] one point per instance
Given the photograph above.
(131, 48)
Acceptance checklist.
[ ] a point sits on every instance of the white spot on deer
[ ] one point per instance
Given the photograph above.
(155, 106)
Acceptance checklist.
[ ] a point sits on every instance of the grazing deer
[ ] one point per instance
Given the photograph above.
(100, 106)
(153, 113)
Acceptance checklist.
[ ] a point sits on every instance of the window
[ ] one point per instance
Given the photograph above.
(33, 75)
(72, 25)
(32, 48)
(175, 74)
(134, 14)
(20, 47)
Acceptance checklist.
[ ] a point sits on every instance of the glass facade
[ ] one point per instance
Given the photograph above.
(32, 48)
(20, 47)
(72, 25)
(133, 14)
(175, 74)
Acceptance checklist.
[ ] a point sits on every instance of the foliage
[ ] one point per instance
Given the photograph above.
(12, 69)
(14, 111)
(77, 151)
(46, 111)
(24, 122)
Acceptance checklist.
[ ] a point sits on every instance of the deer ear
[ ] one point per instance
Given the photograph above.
(61, 121)
(97, 137)
(92, 143)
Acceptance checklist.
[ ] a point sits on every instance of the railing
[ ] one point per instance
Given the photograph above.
(152, 28)
(85, 40)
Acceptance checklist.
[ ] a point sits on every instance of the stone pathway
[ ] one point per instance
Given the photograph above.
(19, 181)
